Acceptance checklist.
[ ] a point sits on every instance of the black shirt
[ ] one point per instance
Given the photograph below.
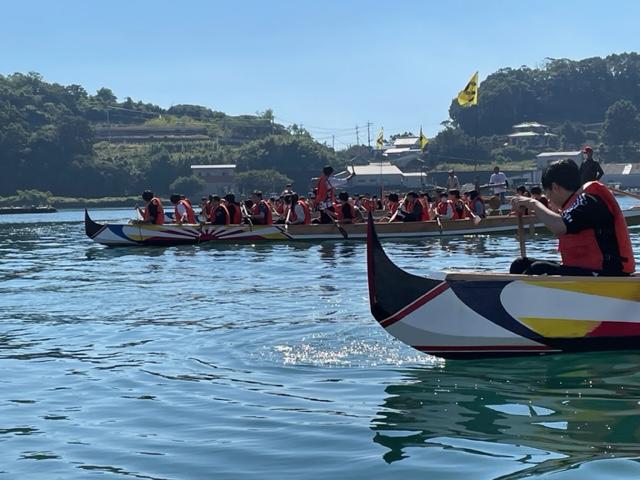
(219, 216)
(589, 211)
(590, 170)
(415, 215)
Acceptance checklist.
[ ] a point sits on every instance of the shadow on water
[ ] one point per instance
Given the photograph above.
(573, 408)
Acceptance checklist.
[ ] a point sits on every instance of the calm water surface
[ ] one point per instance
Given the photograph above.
(263, 361)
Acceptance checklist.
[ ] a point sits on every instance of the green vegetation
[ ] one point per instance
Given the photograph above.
(64, 140)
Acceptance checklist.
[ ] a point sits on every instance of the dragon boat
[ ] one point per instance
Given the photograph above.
(122, 234)
(472, 315)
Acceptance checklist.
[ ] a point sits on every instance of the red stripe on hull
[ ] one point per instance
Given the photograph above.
(615, 329)
(484, 348)
(417, 303)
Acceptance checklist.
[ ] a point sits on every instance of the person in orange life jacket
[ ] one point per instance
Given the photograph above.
(393, 204)
(261, 211)
(327, 184)
(182, 210)
(593, 235)
(219, 212)
(457, 204)
(476, 204)
(411, 208)
(233, 207)
(425, 201)
(299, 213)
(153, 211)
(536, 193)
(444, 208)
(345, 212)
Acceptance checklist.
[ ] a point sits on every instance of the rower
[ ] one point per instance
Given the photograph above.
(299, 213)
(536, 192)
(425, 201)
(205, 208)
(219, 212)
(182, 210)
(345, 212)
(411, 208)
(235, 215)
(457, 204)
(153, 212)
(476, 204)
(593, 234)
(444, 208)
(261, 211)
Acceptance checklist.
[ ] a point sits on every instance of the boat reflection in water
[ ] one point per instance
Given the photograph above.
(540, 415)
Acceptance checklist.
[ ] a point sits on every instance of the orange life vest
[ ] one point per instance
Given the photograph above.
(227, 218)
(582, 250)
(425, 209)
(338, 207)
(442, 207)
(307, 213)
(236, 217)
(458, 210)
(191, 215)
(268, 218)
(160, 217)
(325, 192)
(393, 207)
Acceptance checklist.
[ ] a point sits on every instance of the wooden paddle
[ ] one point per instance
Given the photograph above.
(439, 223)
(623, 192)
(342, 231)
(243, 209)
(523, 247)
(476, 219)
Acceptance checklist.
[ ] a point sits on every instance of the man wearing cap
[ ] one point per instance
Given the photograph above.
(590, 170)
(452, 181)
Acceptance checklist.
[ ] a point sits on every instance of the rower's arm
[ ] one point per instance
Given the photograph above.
(552, 220)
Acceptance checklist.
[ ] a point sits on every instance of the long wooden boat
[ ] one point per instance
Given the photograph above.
(118, 234)
(470, 315)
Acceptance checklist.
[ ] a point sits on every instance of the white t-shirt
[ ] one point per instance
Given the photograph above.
(497, 179)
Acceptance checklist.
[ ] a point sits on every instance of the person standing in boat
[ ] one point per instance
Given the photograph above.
(327, 185)
(593, 234)
(219, 212)
(590, 169)
(182, 210)
(452, 181)
(153, 211)
(498, 181)
(261, 211)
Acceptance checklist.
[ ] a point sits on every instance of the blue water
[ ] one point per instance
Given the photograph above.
(204, 362)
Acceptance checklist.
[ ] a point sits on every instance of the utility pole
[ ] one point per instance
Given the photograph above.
(369, 134)
(357, 136)
(333, 142)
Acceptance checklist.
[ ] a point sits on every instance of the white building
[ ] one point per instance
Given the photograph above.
(219, 179)
(544, 159)
(369, 178)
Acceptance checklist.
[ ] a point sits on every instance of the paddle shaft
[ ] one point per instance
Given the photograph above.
(623, 192)
(523, 247)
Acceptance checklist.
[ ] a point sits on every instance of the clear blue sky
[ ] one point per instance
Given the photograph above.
(327, 64)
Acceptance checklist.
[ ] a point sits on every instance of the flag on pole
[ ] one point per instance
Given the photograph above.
(469, 96)
(423, 140)
(380, 139)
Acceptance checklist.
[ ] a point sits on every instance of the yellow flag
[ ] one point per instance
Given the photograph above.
(469, 96)
(380, 139)
(423, 140)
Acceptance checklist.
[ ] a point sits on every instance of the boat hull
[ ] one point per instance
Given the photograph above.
(490, 315)
(172, 234)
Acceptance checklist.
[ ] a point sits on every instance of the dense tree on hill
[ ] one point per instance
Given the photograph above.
(621, 124)
(561, 90)
(267, 181)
